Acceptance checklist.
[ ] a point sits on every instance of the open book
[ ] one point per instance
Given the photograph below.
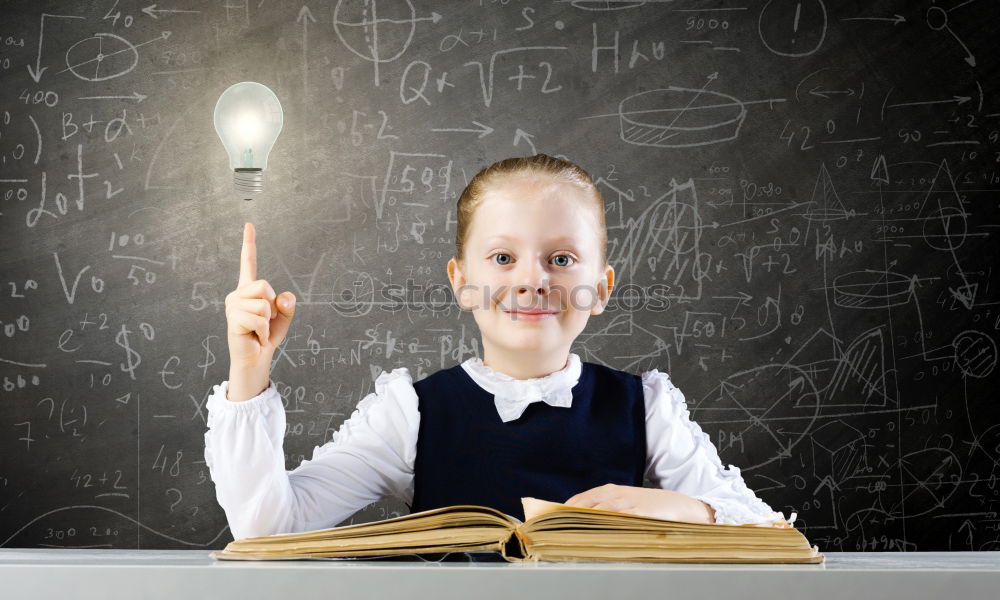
(550, 532)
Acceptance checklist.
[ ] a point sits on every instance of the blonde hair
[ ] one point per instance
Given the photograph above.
(543, 164)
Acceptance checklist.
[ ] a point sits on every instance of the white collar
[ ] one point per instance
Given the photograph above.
(511, 396)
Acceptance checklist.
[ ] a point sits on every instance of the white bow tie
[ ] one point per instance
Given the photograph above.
(512, 396)
(511, 403)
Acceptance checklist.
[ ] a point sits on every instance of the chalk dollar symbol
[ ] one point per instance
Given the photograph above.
(209, 355)
(128, 366)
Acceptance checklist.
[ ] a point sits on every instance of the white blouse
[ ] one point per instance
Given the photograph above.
(372, 454)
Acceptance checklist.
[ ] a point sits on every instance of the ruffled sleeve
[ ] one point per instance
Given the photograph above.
(681, 457)
(369, 457)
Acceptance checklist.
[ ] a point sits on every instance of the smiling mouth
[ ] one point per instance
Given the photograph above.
(525, 315)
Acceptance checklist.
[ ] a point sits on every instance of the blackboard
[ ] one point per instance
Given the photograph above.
(801, 199)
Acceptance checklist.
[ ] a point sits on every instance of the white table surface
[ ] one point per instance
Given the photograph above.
(187, 574)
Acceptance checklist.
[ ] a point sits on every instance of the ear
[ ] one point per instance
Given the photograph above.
(458, 282)
(604, 287)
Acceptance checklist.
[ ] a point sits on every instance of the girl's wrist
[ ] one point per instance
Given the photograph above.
(243, 387)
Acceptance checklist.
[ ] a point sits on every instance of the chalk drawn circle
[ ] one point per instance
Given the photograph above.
(975, 353)
(930, 477)
(101, 56)
(937, 18)
(870, 289)
(772, 408)
(382, 39)
(989, 444)
(945, 228)
(792, 28)
(677, 117)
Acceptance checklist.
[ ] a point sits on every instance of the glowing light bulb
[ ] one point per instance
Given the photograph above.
(248, 119)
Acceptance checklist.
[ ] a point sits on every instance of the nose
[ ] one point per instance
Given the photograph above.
(532, 278)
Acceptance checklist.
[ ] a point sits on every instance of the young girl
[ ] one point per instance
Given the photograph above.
(527, 419)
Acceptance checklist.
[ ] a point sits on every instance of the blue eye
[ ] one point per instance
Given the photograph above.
(508, 260)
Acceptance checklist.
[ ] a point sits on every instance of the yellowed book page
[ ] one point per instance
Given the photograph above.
(448, 517)
(533, 507)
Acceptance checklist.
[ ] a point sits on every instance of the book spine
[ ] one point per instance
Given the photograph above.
(514, 548)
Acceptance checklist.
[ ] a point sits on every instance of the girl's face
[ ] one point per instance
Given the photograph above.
(531, 275)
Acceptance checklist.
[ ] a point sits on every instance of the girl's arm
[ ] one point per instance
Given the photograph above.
(681, 457)
(369, 457)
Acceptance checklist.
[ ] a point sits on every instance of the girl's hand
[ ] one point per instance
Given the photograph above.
(646, 502)
(257, 320)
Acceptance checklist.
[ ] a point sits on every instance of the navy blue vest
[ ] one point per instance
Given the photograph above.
(467, 455)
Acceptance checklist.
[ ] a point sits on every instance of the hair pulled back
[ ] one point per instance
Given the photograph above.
(543, 164)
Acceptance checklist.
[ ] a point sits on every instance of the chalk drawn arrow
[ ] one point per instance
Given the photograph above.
(482, 130)
(151, 10)
(895, 19)
(817, 91)
(133, 96)
(36, 73)
(520, 134)
(305, 15)
(958, 99)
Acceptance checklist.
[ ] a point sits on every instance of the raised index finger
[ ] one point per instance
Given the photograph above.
(248, 256)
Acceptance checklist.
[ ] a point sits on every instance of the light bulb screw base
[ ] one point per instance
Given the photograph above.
(248, 181)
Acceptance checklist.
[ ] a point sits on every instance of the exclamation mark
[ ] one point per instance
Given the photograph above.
(795, 23)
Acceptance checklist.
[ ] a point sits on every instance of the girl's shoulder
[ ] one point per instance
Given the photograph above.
(395, 380)
(658, 390)
(390, 410)
(393, 391)
(648, 378)
(655, 377)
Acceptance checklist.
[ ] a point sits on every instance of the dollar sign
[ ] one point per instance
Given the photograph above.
(129, 366)
(209, 355)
